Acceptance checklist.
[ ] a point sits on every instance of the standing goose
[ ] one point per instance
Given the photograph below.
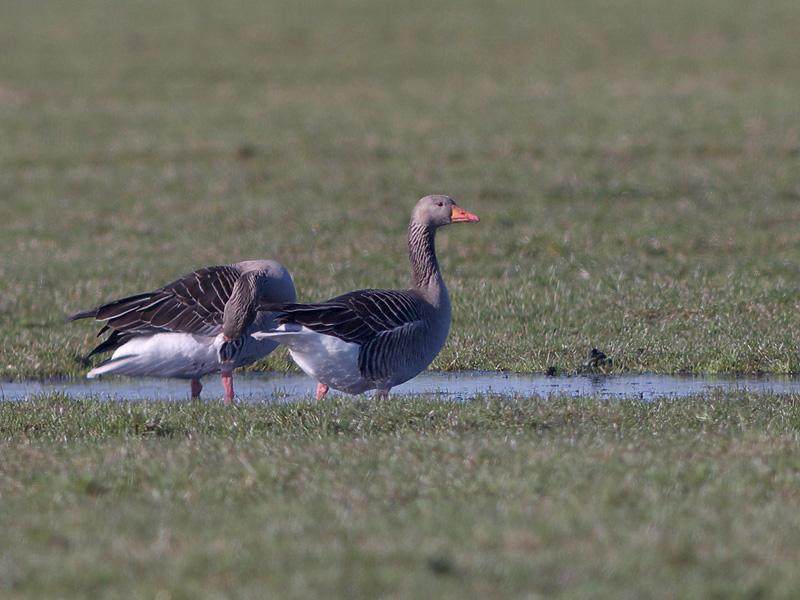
(193, 326)
(376, 339)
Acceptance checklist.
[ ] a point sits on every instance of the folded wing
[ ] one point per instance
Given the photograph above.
(387, 324)
(195, 304)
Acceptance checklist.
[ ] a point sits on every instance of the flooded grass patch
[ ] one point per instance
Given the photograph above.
(460, 386)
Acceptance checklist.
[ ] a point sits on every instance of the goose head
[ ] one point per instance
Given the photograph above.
(437, 211)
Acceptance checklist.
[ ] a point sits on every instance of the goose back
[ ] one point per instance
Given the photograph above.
(197, 303)
(398, 332)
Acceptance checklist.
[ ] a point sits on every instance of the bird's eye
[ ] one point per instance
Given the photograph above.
(440, 204)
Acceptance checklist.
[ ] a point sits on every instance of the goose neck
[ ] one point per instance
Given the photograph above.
(425, 273)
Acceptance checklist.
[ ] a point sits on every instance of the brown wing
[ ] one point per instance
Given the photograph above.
(195, 303)
(356, 317)
(387, 324)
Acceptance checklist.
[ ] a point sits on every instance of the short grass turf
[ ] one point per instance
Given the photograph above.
(635, 165)
(406, 498)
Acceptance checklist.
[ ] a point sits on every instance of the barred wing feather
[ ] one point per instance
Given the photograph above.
(192, 304)
(357, 317)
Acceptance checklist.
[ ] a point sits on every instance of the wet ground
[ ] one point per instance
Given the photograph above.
(260, 387)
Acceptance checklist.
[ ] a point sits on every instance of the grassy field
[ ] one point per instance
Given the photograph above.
(403, 498)
(636, 167)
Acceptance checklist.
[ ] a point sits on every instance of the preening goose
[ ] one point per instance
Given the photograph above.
(180, 329)
(376, 339)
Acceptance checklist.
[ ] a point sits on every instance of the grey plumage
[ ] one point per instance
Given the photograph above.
(382, 322)
(203, 303)
(399, 332)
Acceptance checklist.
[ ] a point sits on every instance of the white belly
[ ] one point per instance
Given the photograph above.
(326, 358)
(162, 355)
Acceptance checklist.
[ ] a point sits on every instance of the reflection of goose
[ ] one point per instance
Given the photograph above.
(178, 330)
(376, 339)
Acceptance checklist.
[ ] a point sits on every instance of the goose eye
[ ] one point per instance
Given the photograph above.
(440, 204)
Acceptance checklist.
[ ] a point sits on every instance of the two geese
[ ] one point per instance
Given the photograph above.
(219, 318)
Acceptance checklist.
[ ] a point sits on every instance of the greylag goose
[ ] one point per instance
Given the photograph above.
(180, 329)
(376, 339)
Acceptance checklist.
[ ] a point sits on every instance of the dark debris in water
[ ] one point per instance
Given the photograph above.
(596, 361)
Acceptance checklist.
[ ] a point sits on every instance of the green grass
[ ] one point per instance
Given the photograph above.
(635, 166)
(408, 498)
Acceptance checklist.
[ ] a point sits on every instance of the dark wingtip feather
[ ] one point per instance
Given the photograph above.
(112, 342)
(84, 314)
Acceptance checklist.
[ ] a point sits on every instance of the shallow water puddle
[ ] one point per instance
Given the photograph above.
(280, 387)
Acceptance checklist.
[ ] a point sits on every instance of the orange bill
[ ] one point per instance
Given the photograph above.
(459, 215)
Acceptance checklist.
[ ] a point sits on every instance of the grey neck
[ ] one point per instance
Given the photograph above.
(425, 274)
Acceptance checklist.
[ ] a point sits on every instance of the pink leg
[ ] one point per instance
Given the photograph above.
(322, 389)
(197, 387)
(227, 383)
